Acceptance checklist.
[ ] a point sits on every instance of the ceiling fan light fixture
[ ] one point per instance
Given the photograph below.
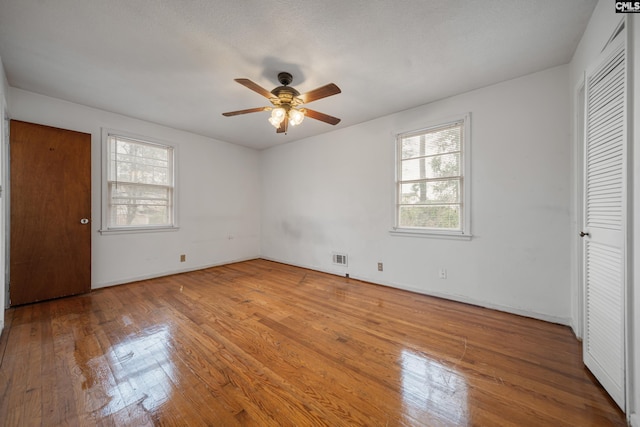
(278, 113)
(295, 117)
(274, 122)
(277, 116)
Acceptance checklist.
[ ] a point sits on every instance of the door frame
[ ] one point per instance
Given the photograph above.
(634, 266)
(5, 207)
(579, 132)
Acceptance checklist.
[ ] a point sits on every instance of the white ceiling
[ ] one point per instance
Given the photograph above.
(173, 62)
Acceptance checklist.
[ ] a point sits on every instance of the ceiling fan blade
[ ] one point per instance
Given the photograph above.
(283, 126)
(322, 117)
(319, 93)
(250, 110)
(255, 87)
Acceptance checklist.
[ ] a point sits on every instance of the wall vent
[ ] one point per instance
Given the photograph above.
(340, 259)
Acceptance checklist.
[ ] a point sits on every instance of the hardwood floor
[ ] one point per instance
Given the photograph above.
(264, 344)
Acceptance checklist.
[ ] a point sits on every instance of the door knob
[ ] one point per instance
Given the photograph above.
(582, 234)
(84, 221)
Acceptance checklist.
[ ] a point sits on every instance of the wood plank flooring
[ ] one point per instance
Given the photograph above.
(264, 344)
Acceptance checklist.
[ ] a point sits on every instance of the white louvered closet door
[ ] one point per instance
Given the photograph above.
(605, 204)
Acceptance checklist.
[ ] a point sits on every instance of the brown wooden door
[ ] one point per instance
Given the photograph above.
(50, 249)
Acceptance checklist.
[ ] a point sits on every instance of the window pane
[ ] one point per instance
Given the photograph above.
(137, 215)
(441, 166)
(430, 192)
(137, 162)
(139, 205)
(430, 181)
(139, 192)
(432, 216)
(444, 140)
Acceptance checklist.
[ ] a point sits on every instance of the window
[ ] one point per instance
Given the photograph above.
(432, 186)
(139, 184)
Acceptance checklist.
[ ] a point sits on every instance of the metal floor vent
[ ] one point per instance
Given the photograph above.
(340, 259)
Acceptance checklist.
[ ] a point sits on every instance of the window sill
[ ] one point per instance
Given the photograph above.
(431, 234)
(134, 230)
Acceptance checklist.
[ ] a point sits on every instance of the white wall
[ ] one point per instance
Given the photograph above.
(603, 23)
(218, 185)
(335, 192)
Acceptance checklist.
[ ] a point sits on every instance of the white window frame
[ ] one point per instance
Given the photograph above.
(106, 228)
(465, 221)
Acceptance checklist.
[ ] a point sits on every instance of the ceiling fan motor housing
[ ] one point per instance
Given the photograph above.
(286, 94)
(285, 78)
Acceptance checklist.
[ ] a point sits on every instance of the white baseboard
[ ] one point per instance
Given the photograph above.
(635, 420)
(166, 273)
(459, 298)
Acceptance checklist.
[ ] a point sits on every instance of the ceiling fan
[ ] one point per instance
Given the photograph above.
(287, 102)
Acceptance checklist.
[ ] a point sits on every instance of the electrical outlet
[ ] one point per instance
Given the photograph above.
(183, 258)
(379, 266)
(442, 273)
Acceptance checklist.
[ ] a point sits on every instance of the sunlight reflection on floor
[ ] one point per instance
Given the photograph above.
(430, 389)
(141, 368)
